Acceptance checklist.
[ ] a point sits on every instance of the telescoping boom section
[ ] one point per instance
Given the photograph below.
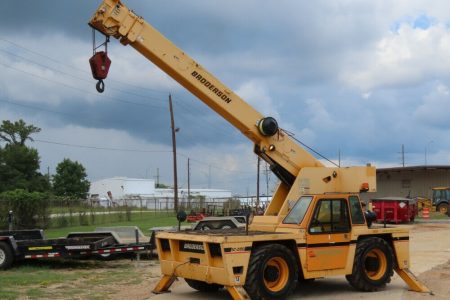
(296, 168)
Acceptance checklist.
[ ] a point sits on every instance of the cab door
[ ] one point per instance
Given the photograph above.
(328, 236)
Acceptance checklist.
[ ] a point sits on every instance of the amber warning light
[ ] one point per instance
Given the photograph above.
(364, 187)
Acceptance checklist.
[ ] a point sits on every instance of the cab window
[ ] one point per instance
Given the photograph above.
(298, 212)
(330, 216)
(355, 210)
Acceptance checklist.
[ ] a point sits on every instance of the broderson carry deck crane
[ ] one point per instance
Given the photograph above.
(314, 226)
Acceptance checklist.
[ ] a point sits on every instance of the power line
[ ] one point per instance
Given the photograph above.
(132, 150)
(72, 67)
(101, 148)
(184, 106)
(73, 76)
(181, 103)
(80, 90)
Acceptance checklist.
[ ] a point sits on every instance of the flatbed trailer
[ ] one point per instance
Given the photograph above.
(18, 245)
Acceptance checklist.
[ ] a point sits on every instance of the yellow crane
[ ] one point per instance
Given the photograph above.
(314, 226)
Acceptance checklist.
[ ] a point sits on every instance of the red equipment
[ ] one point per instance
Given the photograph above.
(100, 64)
(395, 209)
(195, 217)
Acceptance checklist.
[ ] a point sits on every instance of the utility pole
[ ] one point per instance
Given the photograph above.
(257, 183)
(189, 184)
(339, 158)
(209, 176)
(267, 180)
(403, 155)
(157, 177)
(174, 146)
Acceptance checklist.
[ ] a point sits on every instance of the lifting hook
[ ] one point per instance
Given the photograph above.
(100, 86)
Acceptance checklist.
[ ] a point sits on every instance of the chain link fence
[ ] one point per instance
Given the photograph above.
(60, 213)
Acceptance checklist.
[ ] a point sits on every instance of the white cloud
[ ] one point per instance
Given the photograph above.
(407, 57)
(433, 110)
(256, 94)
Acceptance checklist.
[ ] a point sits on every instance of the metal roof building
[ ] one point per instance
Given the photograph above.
(415, 181)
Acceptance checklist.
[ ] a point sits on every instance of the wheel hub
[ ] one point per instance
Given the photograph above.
(375, 264)
(2, 256)
(276, 274)
(372, 264)
(271, 273)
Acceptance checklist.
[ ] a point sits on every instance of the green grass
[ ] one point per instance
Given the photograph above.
(63, 279)
(144, 221)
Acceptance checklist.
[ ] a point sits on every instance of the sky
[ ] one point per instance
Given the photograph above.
(359, 78)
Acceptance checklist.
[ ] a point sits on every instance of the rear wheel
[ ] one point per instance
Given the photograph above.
(272, 273)
(202, 286)
(442, 208)
(373, 265)
(6, 256)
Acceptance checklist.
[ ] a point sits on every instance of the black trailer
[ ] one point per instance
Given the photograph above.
(30, 244)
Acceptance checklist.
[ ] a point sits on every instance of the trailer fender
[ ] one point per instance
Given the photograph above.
(10, 241)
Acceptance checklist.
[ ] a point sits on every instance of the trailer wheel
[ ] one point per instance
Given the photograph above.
(272, 273)
(202, 286)
(6, 256)
(106, 256)
(373, 265)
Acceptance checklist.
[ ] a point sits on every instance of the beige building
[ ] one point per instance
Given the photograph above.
(414, 181)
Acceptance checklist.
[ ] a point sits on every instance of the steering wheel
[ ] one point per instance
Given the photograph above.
(315, 221)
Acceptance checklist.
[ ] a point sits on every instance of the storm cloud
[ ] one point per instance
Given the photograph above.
(356, 77)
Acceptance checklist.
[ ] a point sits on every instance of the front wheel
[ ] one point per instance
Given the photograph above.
(6, 256)
(373, 265)
(272, 273)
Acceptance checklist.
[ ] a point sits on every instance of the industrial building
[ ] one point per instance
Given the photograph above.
(414, 181)
(118, 191)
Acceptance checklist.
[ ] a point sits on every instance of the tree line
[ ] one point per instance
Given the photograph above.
(23, 188)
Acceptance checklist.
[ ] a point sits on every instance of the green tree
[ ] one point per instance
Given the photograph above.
(17, 133)
(19, 164)
(71, 179)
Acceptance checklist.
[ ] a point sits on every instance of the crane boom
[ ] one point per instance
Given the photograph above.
(299, 171)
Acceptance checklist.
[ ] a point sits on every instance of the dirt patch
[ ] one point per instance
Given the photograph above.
(436, 279)
(430, 227)
(149, 274)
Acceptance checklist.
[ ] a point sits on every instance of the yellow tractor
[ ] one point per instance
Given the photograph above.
(314, 226)
(441, 199)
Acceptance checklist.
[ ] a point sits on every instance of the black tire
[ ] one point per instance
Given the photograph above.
(272, 273)
(373, 266)
(6, 256)
(107, 256)
(442, 208)
(202, 286)
(205, 227)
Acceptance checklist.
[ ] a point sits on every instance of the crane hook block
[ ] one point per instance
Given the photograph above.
(100, 64)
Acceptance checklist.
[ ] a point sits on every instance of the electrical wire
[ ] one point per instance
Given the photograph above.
(72, 67)
(80, 90)
(101, 148)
